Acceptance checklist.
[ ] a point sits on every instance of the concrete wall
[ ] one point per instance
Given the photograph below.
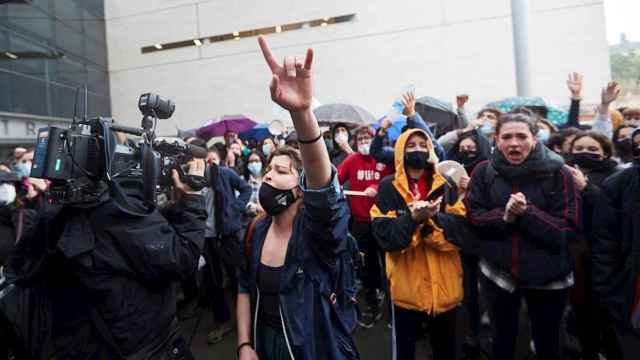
(443, 47)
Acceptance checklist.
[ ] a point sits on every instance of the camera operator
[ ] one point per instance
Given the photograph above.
(107, 274)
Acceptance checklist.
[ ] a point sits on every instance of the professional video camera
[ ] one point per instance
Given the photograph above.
(83, 161)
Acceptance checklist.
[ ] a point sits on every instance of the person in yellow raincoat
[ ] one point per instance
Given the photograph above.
(423, 267)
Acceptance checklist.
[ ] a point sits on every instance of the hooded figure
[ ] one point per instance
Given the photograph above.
(341, 143)
(422, 266)
(469, 159)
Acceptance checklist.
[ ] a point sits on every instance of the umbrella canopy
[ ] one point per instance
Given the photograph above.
(554, 114)
(352, 115)
(437, 114)
(257, 133)
(235, 123)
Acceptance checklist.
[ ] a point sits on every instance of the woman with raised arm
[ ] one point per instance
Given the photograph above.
(296, 296)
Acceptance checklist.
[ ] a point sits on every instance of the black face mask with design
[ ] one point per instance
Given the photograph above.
(275, 201)
(416, 159)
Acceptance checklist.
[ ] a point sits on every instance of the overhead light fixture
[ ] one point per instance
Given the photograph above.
(11, 55)
(238, 34)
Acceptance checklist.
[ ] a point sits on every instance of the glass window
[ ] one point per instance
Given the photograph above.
(29, 95)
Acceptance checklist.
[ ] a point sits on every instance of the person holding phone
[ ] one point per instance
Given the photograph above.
(423, 267)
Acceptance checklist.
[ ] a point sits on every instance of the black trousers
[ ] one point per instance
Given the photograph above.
(442, 330)
(371, 274)
(628, 340)
(471, 300)
(545, 312)
(213, 279)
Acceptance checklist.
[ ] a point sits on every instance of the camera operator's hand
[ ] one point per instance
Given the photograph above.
(196, 167)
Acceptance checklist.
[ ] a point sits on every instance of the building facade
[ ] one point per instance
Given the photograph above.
(49, 49)
(441, 47)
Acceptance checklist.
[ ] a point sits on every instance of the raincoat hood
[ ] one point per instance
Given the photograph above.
(401, 180)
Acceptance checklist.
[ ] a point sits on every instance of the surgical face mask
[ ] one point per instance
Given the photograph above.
(266, 150)
(275, 201)
(543, 135)
(22, 169)
(487, 129)
(255, 168)
(342, 138)
(364, 148)
(7, 194)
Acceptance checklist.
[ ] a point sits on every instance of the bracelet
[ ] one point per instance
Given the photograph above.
(241, 346)
(307, 142)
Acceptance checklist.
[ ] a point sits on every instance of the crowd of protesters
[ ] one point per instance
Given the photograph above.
(543, 213)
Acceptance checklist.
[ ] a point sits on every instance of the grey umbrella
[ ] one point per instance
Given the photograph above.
(353, 115)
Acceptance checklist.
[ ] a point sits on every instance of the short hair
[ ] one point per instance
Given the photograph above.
(363, 129)
(605, 143)
(492, 110)
(516, 117)
(291, 152)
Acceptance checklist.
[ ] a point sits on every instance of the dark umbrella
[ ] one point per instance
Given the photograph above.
(235, 123)
(438, 114)
(351, 115)
(258, 133)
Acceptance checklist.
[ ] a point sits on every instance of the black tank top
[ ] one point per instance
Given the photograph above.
(269, 285)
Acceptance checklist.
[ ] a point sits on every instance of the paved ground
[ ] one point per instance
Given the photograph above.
(372, 343)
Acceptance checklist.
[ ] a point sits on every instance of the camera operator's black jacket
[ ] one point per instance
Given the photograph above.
(616, 241)
(108, 280)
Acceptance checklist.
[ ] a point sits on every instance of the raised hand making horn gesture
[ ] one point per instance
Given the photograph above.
(291, 88)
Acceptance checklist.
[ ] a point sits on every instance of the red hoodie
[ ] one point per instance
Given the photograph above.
(362, 172)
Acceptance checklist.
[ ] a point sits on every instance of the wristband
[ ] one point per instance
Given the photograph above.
(241, 346)
(307, 142)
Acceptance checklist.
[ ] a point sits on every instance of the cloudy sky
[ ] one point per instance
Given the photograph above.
(622, 16)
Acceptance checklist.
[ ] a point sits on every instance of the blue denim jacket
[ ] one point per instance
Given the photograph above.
(319, 234)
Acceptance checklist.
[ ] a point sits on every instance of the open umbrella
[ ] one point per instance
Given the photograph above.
(257, 133)
(351, 115)
(554, 114)
(437, 114)
(217, 127)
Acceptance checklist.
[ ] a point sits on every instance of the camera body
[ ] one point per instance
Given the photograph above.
(83, 160)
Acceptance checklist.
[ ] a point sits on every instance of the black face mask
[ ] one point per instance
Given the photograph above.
(584, 160)
(416, 159)
(275, 201)
(467, 157)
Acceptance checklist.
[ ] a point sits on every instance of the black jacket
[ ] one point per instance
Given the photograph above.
(616, 245)
(105, 268)
(534, 248)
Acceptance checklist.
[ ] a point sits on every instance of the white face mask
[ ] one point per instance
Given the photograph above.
(7, 194)
(364, 149)
(342, 138)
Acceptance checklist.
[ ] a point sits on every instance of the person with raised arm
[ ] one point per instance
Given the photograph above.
(297, 294)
